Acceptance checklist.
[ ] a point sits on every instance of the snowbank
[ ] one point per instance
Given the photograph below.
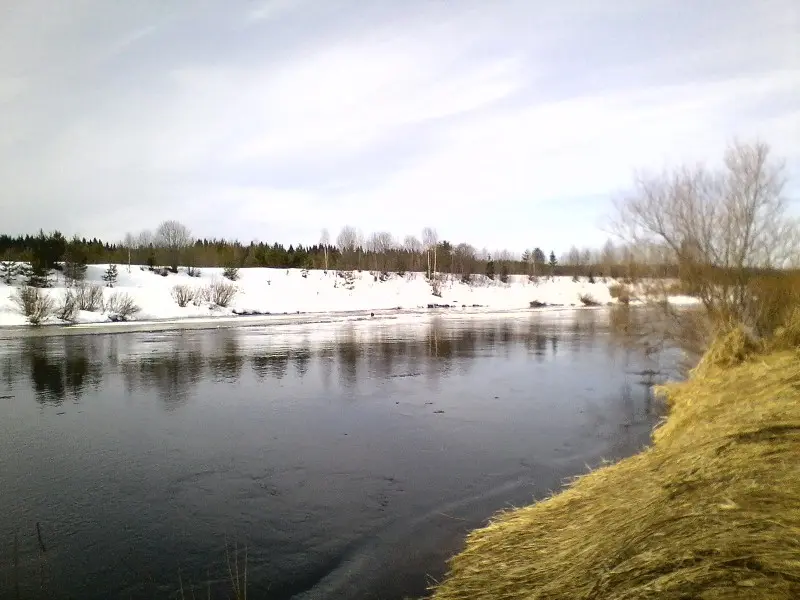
(292, 291)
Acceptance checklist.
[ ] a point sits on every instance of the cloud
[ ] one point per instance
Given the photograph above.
(501, 124)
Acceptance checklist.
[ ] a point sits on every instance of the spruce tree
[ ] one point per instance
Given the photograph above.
(75, 259)
(110, 276)
(8, 271)
(38, 274)
(553, 263)
(490, 268)
(504, 273)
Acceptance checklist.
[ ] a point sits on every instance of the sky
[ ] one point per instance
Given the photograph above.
(501, 123)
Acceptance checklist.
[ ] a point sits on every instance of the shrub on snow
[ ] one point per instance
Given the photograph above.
(67, 307)
(120, 306)
(89, 297)
(34, 303)
(182, 294)
(221, 293)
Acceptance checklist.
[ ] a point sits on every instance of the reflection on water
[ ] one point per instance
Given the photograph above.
(173, 363)
(330, 450)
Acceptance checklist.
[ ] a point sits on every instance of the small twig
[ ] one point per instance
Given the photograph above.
(39, 537)
(16, 564)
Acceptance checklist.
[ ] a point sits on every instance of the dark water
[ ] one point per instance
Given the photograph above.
(348, 459)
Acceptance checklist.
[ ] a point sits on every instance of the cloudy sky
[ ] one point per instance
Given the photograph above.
(504, 123)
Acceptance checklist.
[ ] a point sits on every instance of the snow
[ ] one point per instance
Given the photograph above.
(293, 291)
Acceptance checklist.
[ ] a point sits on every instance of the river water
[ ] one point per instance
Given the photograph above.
(346, 460)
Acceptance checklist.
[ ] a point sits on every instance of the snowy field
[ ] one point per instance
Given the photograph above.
(301, 294)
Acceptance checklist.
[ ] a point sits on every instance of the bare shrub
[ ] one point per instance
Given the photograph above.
(34, 303)
(89, 297)
(621, 292)
(588, 300)
(436, 287)
(183, 294)
(193, 271)
(200, 296)
(67, 308)
(221, 293)
(120, 306)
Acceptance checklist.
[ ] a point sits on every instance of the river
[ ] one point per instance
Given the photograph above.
(346, 460)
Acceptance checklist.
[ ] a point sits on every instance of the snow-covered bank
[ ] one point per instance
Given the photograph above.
(264, 291)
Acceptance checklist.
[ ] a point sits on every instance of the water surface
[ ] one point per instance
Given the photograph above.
(349, 459)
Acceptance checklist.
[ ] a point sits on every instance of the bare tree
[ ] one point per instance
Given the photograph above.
(129, 243)
(413, 246)
(347, 242)
(430, 239)
(324, 241)
(380, 244)
(573, 257)
(464, 259)
(174, 237)
(144, 239)
(718, 224)
(608, 257)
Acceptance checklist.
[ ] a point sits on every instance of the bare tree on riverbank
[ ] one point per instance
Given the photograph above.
(724, 227)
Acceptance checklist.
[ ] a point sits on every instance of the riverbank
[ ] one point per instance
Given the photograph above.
(711, 510)
(267, 294)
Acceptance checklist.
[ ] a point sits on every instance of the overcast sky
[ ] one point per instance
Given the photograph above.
(503, 123)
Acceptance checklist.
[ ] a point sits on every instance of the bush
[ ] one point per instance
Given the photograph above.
(221, 293)
(182, 294)
(67, 307)
(621, 293)
(436, 288)
(89, 297)
(120, 306)
(466, 278)
(200, 296)
(588, 300)
(231, 273)
(773, 298)
(35, 304)
(193, 272)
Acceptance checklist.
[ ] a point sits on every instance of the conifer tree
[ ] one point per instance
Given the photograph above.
(110, 276)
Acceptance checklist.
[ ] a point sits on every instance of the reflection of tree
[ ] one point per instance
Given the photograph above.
(301, 358)
(348, 353)
(270, 365)
(9, 371)
(172, 375)
(47, 375)
(225, 360)
(81, 368)
(55, 371)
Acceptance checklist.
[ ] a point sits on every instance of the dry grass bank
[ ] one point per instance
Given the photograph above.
(710, 511)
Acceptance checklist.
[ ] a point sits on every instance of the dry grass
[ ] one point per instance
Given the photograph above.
(711, 511)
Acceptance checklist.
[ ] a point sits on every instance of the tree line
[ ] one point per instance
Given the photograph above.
(171, 245)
